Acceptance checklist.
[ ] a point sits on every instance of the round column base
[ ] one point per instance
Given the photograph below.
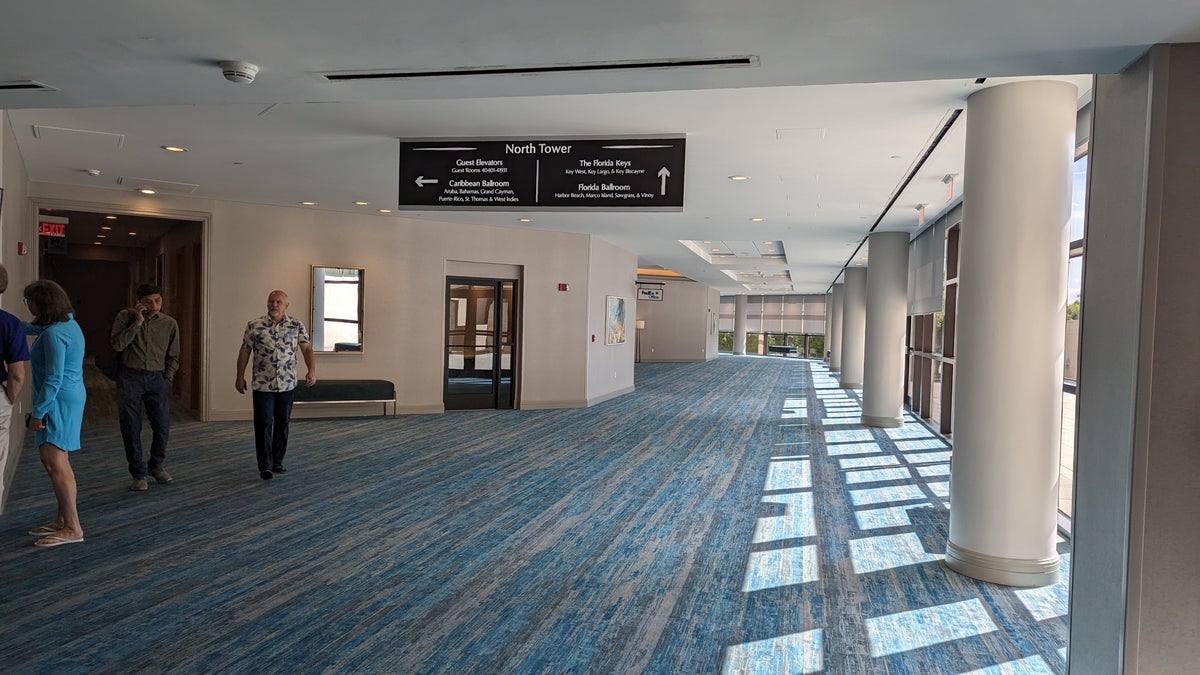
(1004, 571)
(851, 385)
(882, 422)
(834, 369)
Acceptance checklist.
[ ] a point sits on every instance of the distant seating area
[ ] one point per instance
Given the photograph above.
(783, 350)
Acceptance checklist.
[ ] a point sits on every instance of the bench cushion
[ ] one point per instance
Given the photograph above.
(347, 390)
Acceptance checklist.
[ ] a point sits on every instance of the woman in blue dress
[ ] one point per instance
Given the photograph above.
(58, 397)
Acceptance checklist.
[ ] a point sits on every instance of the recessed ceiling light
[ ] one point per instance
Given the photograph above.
(385, 210)
(739, 178)
(895, 156)
(133, 234)
(105, 227)
(98, 243)
(757, 220)
(858, 264)
(524, 220)
(101, 236)
(863, 258)
(309, 203)
(146, 191)
(110, 217)
(716, 250)
(174, 148)
(361, 203)
(708, 242)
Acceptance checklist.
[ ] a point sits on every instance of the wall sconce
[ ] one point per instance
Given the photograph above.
(948, 179)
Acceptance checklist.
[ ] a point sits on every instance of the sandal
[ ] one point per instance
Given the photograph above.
(44, 530)
(56, 540)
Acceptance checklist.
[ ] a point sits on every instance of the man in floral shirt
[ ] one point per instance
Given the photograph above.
(273, 340)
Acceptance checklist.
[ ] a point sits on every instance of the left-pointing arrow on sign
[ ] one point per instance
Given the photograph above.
(422, 181)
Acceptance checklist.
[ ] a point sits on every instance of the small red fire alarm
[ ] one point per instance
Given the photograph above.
(564, 287)
(21, 248)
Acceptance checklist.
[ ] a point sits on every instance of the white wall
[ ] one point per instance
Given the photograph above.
(678, 327)
(610, 367)
(253, 249)
(13, 213)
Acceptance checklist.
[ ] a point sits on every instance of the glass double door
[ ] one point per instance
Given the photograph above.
(481, 343)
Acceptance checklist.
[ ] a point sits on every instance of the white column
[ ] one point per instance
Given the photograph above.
(739, 324)
(835, 328)
(1011, 325)
(887, 309)
(854, 327)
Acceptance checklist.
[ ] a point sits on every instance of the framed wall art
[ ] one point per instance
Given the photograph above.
(614, 321)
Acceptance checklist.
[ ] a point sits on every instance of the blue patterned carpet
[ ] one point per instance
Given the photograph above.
(727, 517)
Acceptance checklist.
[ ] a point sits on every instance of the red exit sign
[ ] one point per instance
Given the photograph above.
(52, 229)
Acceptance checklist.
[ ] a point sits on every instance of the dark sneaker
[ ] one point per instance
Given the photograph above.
(139, 485)
(162, 476)
(266, 475)
(279, 469)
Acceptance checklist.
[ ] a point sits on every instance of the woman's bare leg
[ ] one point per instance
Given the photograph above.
(58, 466)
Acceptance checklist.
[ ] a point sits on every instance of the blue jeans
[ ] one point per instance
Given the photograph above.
(272, 413)
(151, 389)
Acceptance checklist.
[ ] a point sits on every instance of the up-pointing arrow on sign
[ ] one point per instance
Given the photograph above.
(663, 173)
(422, 181)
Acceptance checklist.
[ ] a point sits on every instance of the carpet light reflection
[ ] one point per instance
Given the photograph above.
(891, 516)
(797, 521)
(877, 475)
(883, 495)
(848, 436)
(927, 457)
(884, 552)
(934, 470)
(939, 488)
(1048, 602)
(835, 450)
(795, 653)
(788, 474)
(908, 431)
(918, 628)
(781, 567)
(924, 444)
(1033, 665)
(863, 462)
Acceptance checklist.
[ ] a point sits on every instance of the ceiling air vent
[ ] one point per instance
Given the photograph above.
(163, 186)
(672, 64)
(25, 85)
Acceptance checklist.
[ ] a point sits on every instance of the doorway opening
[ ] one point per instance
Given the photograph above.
(99, 260)
(481, 343)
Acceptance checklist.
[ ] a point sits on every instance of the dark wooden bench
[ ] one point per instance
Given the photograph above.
(348, 391)
(786, 350)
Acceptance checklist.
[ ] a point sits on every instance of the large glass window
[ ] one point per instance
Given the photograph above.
(725, 342)
(1066, 462)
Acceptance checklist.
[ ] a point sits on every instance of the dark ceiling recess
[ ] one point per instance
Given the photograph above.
(25, 85)
(980, 80)
(724, 62)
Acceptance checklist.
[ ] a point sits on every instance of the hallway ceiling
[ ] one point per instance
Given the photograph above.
(841, 102)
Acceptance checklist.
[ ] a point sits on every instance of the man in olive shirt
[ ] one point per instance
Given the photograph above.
(147, 344)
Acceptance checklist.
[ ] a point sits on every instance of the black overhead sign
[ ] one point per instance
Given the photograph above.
(524, 175)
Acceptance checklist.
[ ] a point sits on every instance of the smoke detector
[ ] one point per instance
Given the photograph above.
(241, 72)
